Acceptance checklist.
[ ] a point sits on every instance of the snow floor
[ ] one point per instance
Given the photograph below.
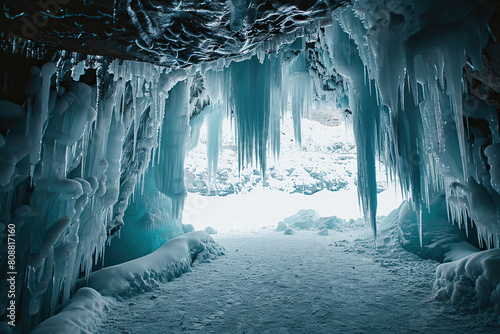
(269, 282)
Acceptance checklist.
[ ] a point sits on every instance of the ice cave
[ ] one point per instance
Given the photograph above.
(250, 166)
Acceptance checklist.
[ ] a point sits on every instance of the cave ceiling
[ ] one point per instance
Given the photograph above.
(170, 33)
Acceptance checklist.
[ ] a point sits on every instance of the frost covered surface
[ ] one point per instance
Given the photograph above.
(177, 33)
(90, 304)
(302, 283)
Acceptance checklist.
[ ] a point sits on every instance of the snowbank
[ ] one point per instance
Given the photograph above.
(171, 260)
(473, 280)
(79, 316)
(469, 279)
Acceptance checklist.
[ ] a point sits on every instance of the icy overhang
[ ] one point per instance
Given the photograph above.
(170, 33)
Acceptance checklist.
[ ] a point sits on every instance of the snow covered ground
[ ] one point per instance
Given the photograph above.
(269, 282)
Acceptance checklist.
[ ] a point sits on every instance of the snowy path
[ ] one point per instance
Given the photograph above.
(304, 283)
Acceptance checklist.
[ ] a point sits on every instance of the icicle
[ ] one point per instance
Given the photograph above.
(214, 139)
(278, 106)
(169, 174)
(40, 118)
(251, 105)
(300, 89)
(420, 225)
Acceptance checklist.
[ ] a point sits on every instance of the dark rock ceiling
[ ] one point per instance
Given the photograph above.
(171, 33)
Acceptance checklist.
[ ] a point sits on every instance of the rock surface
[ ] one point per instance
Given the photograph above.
(168, 33)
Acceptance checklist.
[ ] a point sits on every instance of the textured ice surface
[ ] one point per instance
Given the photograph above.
(473, 281)
(176, 33)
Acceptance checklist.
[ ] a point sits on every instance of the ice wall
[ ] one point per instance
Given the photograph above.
(73, 157)
(148, 222)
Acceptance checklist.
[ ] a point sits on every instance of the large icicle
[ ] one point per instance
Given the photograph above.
(250, 100)
(169, 173)
(214, 140)
(365, 110)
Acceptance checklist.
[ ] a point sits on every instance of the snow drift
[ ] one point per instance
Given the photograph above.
(169, 261)
(473, 281)
(144, 274)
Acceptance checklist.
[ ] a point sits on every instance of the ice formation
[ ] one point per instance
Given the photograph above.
(471, 280)
(76, 149)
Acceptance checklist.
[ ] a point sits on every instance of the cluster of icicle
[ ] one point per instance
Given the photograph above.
(401, 65)
(78, 156)
(73, 159)
(403, 62)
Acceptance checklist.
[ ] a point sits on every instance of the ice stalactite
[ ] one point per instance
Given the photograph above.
(250, 101)
(299, 81)
(258, 103)
(279, 99)
(169, 173)
(214, 140)
(413, 60)
(365, 114)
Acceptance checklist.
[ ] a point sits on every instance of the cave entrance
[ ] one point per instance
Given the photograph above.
(318, 175)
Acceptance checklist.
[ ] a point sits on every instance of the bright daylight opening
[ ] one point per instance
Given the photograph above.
(319, 175)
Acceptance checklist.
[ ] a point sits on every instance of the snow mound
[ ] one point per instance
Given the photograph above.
(80, 316)
(168, 262)
(311, 220)
(473, 280)
(282, 226)
(303, 220)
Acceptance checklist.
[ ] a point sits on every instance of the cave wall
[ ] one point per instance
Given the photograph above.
(81, 136)
(74, 151)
